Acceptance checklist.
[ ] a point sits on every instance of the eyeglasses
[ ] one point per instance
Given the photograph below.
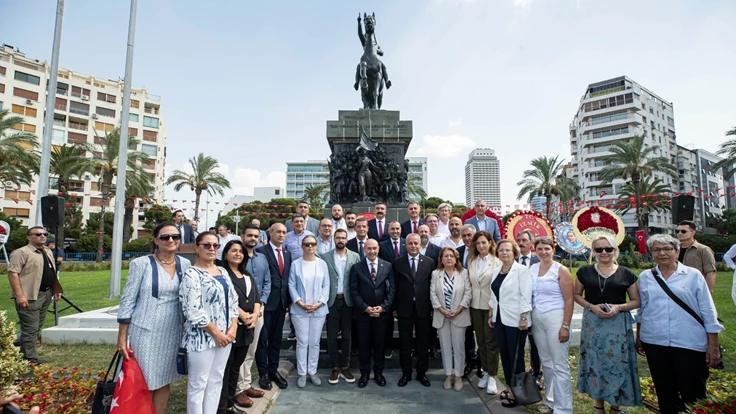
(604, 249)
(663, 249)
(310, 244)
(681, 231)
(165, 237)
(39, 234)
(210, 246)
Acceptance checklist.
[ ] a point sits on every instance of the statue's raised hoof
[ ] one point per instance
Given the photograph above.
(356, 86)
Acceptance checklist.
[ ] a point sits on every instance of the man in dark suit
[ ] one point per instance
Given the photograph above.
(411, 225)
(525, 239)
(467, 231)
(357, 244)
(413, 274)
(378, 227)
(372, 291)
(426, 248)
(269, 343)
(395, 246)
(186, 231)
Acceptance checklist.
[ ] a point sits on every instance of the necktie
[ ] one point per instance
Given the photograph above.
(360, 250)
(380, 229)
(415, 227)
(523, 260)
(396, 249)
(373, 272)
(414, 264)
(281, 262)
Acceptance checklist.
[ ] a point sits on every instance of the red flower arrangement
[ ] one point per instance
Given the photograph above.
(585, 220)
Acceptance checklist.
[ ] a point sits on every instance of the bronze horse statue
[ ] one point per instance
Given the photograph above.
(371, 74)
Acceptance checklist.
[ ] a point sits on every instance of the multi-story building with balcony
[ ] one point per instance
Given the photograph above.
(483, 178)
(85, 109)
(616, 110)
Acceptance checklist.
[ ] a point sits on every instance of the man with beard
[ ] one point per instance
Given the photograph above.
(411, 225)
(293, 241)
(454, 240)
(361, 236)
(425, 247)
(338, 221)
(340, 317)
(324, 240)
(378, 227)
(310, 224)
(350, 218)
(258, 268)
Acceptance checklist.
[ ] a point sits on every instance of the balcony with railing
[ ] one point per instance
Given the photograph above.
(59, 122)
(61, 91)
(78, 126)
(151, 110)
(79, 111)
(60, 107)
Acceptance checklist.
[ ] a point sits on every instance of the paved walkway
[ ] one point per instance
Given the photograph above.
(349, 399)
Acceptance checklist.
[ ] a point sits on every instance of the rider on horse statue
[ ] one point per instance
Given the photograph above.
(371, 73)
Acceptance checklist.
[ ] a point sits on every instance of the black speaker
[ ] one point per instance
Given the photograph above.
(683, 208)
(52, 211)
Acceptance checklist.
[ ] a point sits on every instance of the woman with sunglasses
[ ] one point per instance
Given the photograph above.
(210, 306)
(309, 287)
(149, 315)
(234, 261)
(607, 371)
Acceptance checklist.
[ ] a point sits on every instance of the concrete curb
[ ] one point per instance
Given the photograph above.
(493, 402)
(262, 405)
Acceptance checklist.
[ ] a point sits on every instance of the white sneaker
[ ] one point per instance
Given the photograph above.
(483, 383)
(491, 389)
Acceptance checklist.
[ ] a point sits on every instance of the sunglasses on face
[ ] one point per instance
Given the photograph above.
(604, 249)
(310, 244)
(210, 246)
(681, 231)
(165, 237)
(39, 234)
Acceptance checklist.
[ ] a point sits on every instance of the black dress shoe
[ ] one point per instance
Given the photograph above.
(363, 381)
(422, 378)
(235, 410)
(278, 380)
(404, 380)
(264, 383)
(354, 353)
(380, 380)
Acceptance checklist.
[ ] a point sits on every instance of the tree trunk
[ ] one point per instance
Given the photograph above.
(128, 218)
(639, 218)
(547, 197)
(197, 195)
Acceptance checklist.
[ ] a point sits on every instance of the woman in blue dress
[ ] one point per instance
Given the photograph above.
(150, 315)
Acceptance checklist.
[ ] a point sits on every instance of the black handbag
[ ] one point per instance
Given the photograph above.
(523, 385)
(106, 388)
(182, 366)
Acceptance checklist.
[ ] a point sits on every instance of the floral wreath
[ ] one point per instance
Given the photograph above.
(537, 215)
(592, 222)
(471, 213)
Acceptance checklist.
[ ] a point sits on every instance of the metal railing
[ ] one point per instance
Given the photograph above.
(91, 256)
(60, 91)
(74, 125)
(60, 107)
(78, 111)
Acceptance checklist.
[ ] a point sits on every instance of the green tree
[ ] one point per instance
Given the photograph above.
(727, 223)
(728, 152)
(203, 178)
(69, 161)
(546, 179)
(313, 195)
(17, 233)
(155, 215)
(651, 199)
(136, 186)
(19, 160)
(73, 218)
(432, 203)
(632, 161)
(106, 166)
(93, 224)
(414, 188)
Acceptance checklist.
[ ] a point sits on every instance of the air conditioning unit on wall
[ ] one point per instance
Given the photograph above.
(94, 116)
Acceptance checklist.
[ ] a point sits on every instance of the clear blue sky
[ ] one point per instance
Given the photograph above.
(252, 83)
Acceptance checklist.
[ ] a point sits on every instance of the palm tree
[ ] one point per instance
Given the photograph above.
(69, 161)
(414, 188)
(650, 194)
(728, 152)
(136, 186)
(19, 160)
(106, 166)
(546, 179)
(313, 195)
(632, 161)
(203, 178)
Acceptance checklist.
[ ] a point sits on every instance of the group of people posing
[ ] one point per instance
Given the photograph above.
(436, 277)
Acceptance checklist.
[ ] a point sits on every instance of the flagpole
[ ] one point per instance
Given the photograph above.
(117, 233)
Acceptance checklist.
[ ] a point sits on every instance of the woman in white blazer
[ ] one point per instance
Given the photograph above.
(510, 306)
(450, 295)
(482, 264)
(309, 287)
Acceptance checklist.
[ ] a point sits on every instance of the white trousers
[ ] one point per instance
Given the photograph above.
(308, 329)
(452, 345)
(244, 378)
(206, 369)
(553, 355)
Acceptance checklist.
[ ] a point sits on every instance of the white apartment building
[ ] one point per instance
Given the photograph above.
(262, 194)
(483, 178)
(85, 107)
(616, 110)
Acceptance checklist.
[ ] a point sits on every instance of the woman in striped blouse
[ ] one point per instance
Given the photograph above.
(450, 294)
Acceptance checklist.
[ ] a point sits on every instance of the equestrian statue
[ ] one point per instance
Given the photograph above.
(371, 74)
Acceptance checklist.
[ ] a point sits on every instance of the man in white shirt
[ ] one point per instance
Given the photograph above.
(324, 241)
(338, 221)
(454, 240)
(224, 236)
(435, 237)
(350, 218)
(444, 210)
(425, 247)
(729, 259)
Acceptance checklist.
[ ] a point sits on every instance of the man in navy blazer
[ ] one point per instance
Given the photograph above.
(378, 227)
(483, 222)
(388, 248)
(412, 225)
(357, 244)
(269, 343)
(186, 230)
(372, 291)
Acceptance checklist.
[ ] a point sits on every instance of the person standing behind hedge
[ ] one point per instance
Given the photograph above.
(607, 370)
(211, 310)
(149, 316)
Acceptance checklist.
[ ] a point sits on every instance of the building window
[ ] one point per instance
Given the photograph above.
(149, 149)
(58, 136)
(134, 117)
(103, 127)
(609, 118)
(610, 132)
(25, 127)
(609, 102)
(134, 103)
(23, 93)
(23, 110)
(106, 97)
(24, 77)
(151, 122)
(105, 112)
(17, 212)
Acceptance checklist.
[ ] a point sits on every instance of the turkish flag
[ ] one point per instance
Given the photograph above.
(641, 241)
(131, 391)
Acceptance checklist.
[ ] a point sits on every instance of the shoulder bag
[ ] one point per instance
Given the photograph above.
(523, 385)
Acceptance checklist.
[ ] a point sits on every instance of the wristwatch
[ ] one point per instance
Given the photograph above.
(523, 319)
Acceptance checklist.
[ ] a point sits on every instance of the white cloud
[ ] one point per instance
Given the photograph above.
(444, 146)
(455, 123)
(523, 3)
